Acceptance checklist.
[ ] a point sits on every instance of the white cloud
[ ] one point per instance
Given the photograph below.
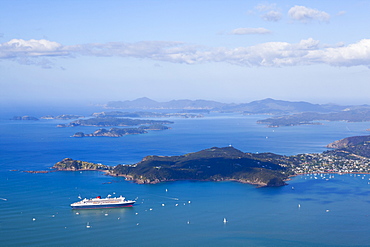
(242, 31)
(27, 48)
(272, 15)
(350, 55)
(304, 14)
(306, 52)
(270, 12)
(308, 44)
(270, 54)
(32, 52)
(176, 52)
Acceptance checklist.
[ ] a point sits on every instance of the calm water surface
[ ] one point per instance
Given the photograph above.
(313, 210)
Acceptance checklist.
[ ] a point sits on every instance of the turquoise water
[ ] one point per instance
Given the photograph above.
(321, 210)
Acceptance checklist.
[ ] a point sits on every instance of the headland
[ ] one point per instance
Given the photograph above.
(231, 164)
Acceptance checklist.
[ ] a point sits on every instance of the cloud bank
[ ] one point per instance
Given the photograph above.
(270, 54)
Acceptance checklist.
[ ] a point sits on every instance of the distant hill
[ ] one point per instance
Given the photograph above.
(146, 103)
(357, 145)
(143, 114)
(265, 106)
(350, 141)
(349, 115)
(271, 106)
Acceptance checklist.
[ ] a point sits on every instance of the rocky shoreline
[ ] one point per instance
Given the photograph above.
(157, 181)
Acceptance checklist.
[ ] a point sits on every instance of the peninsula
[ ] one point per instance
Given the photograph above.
(214, 164)
(230, 164)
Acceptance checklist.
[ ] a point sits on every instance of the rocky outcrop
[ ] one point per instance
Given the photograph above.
(69, 164)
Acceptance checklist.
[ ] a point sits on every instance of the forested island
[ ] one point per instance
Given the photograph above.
(352, 155)
(214, 164)
(118, 132)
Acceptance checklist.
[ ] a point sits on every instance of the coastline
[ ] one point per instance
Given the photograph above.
(157, 181)
(338, 173)
(147, 181)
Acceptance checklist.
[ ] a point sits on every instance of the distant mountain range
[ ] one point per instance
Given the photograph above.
(265, 106)
(146, 103)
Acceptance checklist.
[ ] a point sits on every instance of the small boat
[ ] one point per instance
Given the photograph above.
(98, 202)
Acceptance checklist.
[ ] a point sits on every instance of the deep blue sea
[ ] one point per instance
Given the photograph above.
(321, 210)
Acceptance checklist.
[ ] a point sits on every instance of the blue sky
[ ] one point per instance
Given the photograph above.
(229, 51)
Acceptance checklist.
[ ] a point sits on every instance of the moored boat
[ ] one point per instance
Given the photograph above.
(98, 202)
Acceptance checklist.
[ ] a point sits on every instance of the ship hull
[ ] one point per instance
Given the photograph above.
(125, 205)
(98, 202)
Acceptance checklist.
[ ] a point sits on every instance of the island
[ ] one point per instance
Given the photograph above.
(111, 121)
(118, 132)
(69, 164)
(351, 155)
(24, 118)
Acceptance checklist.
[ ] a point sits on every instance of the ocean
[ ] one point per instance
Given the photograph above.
(313, 210)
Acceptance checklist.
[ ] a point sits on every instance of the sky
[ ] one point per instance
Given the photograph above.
(229, 51)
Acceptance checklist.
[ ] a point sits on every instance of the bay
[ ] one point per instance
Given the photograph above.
(325, 210)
